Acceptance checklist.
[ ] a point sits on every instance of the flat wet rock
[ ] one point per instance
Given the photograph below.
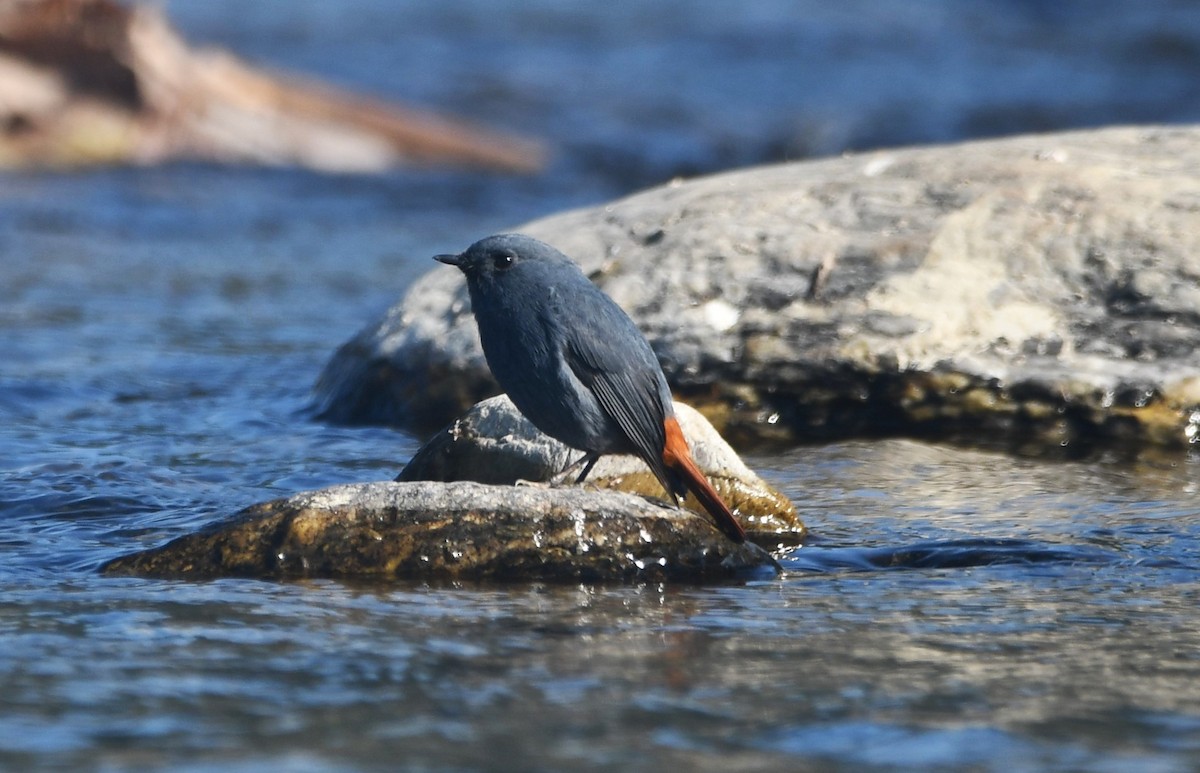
(1036, 293)
(389, 530)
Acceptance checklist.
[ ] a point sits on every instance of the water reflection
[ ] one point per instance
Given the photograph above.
(950, 554)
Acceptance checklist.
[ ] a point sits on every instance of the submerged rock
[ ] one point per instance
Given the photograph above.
(388, 530)
(493, 443)
(1031, 293)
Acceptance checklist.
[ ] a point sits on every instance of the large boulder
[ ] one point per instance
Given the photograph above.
(1034, 292)
(456, 531)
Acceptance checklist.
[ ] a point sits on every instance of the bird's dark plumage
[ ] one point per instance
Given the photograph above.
(576, 365)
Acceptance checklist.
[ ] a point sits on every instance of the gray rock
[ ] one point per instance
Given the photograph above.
(493, 443)
(455, 531)
(1038, 290)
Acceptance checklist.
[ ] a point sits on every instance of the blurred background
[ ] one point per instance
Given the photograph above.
(630, 93)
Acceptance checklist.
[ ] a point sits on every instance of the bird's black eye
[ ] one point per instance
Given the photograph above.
(503, 261)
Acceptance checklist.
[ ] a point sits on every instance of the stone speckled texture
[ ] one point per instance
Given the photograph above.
(389, 530)
(1034, 293)
(494, 443)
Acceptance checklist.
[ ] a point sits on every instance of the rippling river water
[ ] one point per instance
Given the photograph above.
(160, 331)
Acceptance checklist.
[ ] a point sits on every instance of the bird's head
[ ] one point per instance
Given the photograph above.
(489, 259)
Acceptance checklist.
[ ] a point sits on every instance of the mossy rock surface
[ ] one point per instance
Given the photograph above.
(390, 530)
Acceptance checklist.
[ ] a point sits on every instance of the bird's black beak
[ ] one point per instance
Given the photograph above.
(450, 260)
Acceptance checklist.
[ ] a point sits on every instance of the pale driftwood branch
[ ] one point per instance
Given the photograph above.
(93, 81)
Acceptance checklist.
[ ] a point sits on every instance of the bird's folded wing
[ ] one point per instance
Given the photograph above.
(629, 393)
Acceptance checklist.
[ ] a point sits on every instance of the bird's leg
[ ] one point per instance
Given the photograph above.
(586, 461)
(587, 467)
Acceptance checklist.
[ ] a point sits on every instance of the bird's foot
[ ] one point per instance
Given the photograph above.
(564, 478)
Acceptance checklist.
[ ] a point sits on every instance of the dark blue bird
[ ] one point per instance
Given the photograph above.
(576, 365)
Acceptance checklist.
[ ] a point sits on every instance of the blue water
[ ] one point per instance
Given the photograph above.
(160, 331)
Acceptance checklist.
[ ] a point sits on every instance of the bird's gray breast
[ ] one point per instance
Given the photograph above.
(525, 336)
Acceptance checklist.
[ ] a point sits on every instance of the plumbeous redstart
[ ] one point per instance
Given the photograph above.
(576, 365)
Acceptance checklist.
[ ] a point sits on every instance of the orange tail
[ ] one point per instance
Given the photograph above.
(677, 457)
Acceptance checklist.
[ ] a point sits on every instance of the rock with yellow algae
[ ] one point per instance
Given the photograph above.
(455, 531)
